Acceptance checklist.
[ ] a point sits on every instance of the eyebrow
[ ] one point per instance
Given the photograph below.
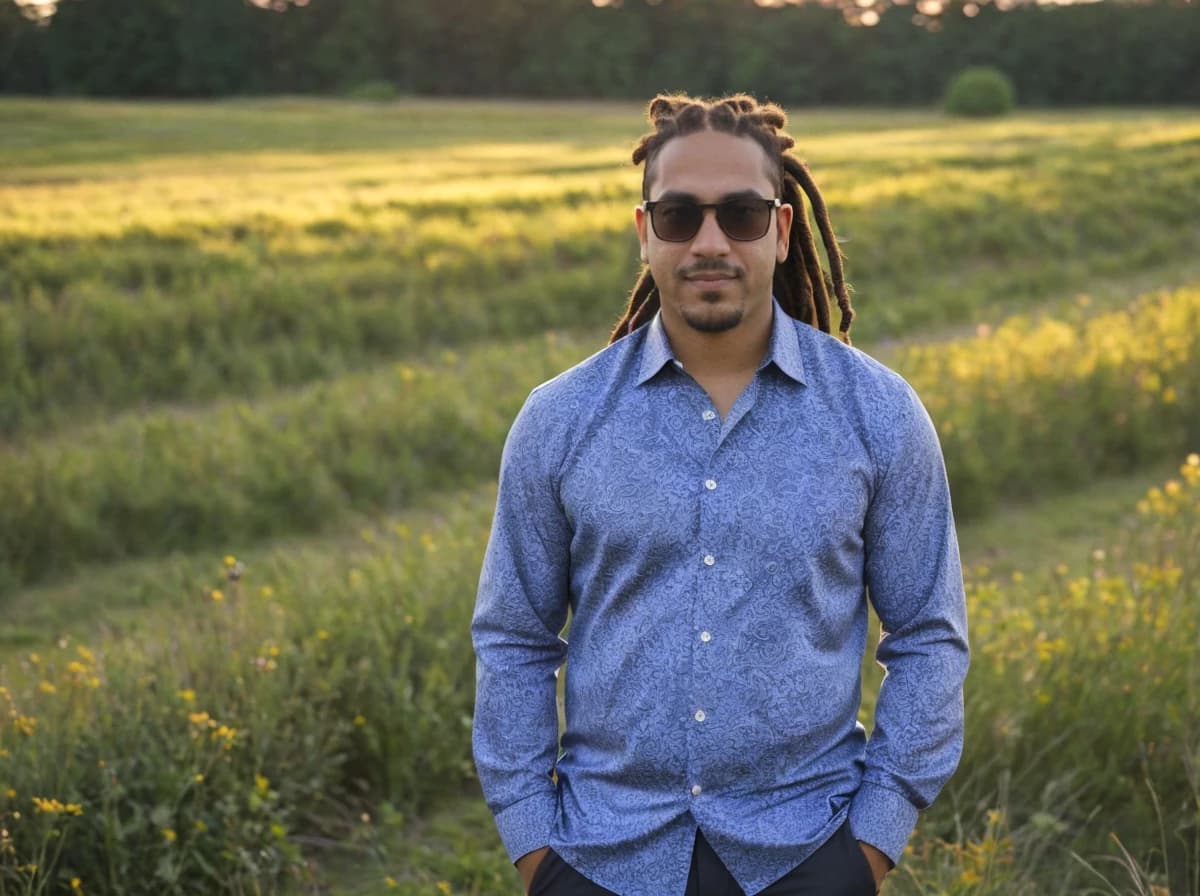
(680, 196)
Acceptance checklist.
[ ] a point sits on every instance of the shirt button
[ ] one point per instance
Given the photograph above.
(709, 415)
(710, 484)
(705, 637)
(699, 716)
(709, 559)
(696, 789)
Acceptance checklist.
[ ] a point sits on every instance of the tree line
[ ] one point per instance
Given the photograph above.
(1099, 53)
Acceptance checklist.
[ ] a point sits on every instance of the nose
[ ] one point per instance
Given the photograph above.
(710, 239)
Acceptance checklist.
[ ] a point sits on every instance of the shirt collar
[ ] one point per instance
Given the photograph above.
(783, 350)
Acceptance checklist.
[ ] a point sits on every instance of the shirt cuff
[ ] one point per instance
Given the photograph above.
(882, 817)
(526, 825)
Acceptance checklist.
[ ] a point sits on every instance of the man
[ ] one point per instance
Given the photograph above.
(715, 497)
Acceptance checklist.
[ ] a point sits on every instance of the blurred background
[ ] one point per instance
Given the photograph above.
(276, 277)
(795, 53)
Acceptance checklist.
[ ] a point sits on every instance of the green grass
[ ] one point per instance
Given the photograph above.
(1014, 416)
(306, 239)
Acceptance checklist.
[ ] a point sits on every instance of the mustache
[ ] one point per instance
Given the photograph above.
(710, 267)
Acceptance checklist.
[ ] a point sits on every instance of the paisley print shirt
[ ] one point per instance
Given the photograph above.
(716, 572)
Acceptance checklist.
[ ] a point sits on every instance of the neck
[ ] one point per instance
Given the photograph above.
(728, 353)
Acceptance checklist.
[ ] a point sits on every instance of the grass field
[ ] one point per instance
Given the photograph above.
(256, 363)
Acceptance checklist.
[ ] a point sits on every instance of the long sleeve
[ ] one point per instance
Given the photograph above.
(520, 609)
(914, 580)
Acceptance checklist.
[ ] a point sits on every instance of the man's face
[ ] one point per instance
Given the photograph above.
(713, 283)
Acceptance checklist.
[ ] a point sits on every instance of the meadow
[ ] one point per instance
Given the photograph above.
(257, 360)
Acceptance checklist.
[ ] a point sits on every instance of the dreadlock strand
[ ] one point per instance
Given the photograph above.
(808, 259)
(832, 250)
(643, 304)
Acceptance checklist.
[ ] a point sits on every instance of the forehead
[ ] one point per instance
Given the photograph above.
(711, 164)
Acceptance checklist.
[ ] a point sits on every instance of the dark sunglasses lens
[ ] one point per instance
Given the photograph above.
(744, 220)
(676, 222)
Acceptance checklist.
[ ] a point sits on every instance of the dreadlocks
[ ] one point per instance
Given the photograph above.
(800, 284)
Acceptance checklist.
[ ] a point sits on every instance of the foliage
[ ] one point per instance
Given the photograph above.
(168, 480)
(1057, 402)
(980, 92)
(1103, 53)
(374, 91)
(202, 754)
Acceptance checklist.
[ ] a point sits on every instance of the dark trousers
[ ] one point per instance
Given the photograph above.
(837, 868)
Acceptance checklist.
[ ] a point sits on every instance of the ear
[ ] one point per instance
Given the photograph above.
(783, 231)
(640, 222)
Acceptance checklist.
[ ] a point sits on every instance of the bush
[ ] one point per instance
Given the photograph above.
(374, 91)
(980, 92)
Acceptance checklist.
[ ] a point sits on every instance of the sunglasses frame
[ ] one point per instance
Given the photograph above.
(649, 205)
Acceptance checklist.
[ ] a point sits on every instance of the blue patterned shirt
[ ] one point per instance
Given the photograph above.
(717, 573)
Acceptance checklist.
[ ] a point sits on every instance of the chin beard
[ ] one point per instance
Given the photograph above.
(712, 319)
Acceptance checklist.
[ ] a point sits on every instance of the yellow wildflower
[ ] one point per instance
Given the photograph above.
(77, 668)
(27, 725)
(200, 719)
(360, 720)
(322, 635)
(1193, 460)
(444, 887)
(169, 835)
(201, 827)
(34, 659)
(217, 595)
(266, 592)
(230, 561)
(262, 784)
(44, 806)
(76, 885)
(391, 883)
(84, 654)
(227, 734)
(187, 695)
(198, 778)
(11, 794)
(47, 687)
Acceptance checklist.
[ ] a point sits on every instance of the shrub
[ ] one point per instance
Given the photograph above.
(980, 92)
(373, 91)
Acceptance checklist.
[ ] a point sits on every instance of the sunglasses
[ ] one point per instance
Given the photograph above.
(679, 220)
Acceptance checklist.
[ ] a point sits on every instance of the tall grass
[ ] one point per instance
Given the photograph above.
(184, 275)
(1028, 407)
(216, 749)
